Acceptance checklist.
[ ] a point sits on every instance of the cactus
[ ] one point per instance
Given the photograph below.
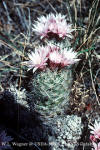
(20, 96)
(67, 132)
(51, 90)
(51, 87)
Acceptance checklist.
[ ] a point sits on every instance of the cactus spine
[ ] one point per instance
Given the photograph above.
(51, 90)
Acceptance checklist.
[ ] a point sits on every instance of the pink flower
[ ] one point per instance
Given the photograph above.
(96, 146)
(62, 57)
(38, 59)
(52, 56)
(95, 130)
(92, 138)
(68, 57)
(54, 25)
(55, 57)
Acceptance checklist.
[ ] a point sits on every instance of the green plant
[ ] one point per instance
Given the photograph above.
(51, 90)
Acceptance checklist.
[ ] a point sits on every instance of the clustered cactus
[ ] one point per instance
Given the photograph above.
(68, 130)
(51, 89)
(52, 79)
(19, 95)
